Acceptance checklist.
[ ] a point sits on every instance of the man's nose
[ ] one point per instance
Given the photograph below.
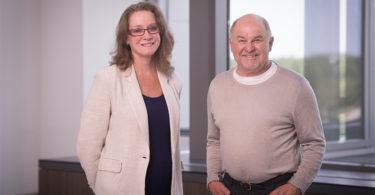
(249, 46)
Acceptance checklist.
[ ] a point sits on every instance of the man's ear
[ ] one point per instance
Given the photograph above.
(230, 44)
(271, 43)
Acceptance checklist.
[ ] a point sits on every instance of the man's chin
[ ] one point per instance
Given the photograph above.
(251, 67)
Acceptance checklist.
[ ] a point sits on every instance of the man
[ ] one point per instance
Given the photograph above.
(264, 130)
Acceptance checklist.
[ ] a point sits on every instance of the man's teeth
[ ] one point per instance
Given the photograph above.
(250, 55)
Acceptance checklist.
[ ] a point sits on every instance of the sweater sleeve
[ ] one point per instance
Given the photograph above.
(310, 135)
(213, 143)
(94, 126)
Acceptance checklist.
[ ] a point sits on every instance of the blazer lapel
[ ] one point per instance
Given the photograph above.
(137, 103)
(172, 106)
(139, 108)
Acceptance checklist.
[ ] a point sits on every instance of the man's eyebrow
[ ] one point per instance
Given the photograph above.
(240, 37)
(256, 37)
(259, 36)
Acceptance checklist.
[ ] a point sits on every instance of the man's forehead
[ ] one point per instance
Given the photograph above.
(246, 29)
(249, 22)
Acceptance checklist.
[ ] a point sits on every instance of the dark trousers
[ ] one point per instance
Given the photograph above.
(264, 188)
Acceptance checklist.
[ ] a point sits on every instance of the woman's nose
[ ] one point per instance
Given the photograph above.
(147, 34)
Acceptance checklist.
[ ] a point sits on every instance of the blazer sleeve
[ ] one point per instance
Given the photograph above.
(94, 126)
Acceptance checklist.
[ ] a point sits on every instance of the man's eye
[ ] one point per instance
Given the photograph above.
(242, 41)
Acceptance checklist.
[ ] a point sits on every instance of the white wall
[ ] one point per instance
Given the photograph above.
(61, 76)
(41, 87)
(100, 19)
(19, 95)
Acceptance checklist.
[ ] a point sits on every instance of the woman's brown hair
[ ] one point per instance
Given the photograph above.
(122, 55)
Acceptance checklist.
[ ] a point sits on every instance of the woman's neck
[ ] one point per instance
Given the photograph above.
(148, 80)
(144, 66)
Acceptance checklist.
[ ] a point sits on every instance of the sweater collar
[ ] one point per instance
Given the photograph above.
(255, 80)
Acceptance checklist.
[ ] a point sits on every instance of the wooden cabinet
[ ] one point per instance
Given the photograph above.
(63, 176)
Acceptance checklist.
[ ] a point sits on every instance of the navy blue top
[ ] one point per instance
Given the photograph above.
(159, 171)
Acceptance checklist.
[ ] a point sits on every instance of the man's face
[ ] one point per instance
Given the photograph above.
(250, 44)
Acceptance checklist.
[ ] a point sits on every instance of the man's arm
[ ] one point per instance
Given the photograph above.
(213, 143)
(310, 135)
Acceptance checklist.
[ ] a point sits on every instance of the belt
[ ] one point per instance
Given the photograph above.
(226, 178)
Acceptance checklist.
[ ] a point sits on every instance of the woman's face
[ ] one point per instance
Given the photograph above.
(144, 36)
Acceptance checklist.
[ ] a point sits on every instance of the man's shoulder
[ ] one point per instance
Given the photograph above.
(222, 77)
(293, 78)
(290, 75)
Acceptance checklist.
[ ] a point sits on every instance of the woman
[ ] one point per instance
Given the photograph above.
(129, 137)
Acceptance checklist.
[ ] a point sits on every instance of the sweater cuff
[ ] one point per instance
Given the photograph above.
(300, 185)
(212, 177)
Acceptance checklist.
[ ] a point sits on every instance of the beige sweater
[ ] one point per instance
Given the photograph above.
(256, 132)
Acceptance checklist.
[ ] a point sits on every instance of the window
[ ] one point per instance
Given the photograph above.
(324, 41)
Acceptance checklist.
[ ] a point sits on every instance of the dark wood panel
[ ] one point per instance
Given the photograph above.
(62, 182)
(65, 176)
(193, 188)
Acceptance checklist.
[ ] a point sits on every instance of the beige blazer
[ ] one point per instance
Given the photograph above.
(113, 140)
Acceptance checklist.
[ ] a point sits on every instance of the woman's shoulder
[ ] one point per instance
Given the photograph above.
(109, 72)
(175, 79)
(111, 69)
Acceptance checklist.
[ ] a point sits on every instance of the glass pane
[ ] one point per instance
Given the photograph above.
(321, 39)
(178, 19)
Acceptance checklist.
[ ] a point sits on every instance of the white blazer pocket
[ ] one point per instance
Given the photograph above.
(108, 176)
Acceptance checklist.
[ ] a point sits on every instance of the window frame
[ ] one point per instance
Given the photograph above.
(334, 149)
(369, 48)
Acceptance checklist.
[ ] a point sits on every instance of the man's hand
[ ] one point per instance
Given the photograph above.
(286, 189)
(218, 188)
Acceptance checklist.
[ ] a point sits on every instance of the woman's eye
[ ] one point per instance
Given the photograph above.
(137, 30)
(153, 28)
